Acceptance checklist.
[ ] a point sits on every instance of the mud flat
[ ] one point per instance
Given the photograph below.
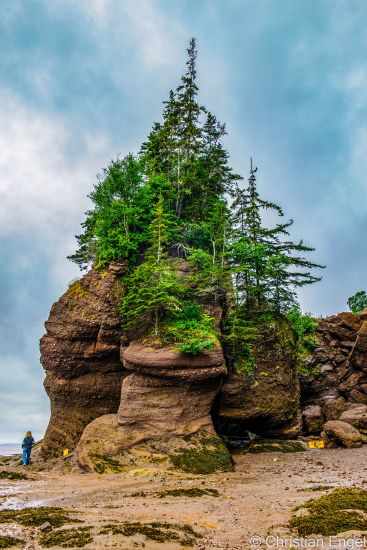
(153, 509)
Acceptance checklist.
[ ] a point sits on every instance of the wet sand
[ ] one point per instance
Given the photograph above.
(256, 499)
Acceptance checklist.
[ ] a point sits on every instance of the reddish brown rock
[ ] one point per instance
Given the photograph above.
(153, 407)
(338, 366)
(337, 432)
(169, 364)
(313, 419)
(162, 409)
(358, 355)
(266, 402)
(333, 406)
(357, 416)
(169, 392)
(80, 354)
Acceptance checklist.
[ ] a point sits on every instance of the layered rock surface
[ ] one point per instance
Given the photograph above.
(267, 401)
(80, 354)
(164, 414)
(336, 387)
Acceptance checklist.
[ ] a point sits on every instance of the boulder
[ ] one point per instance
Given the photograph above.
(356, 416)
(80, 354)
(313, 419)
(337, 432)
(267, 401)
(333, 406)
(106, 448)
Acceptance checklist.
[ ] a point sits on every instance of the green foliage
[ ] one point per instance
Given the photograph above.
(114, 228)
(191, 330)
(358, 301)
(240, 335)
(186, 147)
(267, 265)
(304, 328)
(172, 201)
(152, 292)
(153, 288)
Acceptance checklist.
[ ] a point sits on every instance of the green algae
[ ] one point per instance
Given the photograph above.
(342, 510)
(193, 492)
(9, 542)
(156, 531)
(5, 474)
(208, 456)
(67, 538)
(273, 445)
(106, 465)
(34, 517)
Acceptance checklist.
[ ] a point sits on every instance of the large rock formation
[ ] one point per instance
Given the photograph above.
(80, 354)
(122, 401)
(336, 384)
(267, 401)
(164, 414)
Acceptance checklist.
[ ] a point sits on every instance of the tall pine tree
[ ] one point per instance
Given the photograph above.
(267, 265)
(153, 290)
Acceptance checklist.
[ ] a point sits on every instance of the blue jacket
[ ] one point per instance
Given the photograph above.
(27, 443)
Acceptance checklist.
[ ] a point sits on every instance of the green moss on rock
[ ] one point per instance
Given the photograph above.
(67, 538)
(342, 510)
(191, 492)
(9, 542)
(272, 446)
(34, 517)
(5, 474)
(156, 531)
(77, 290)
(106, 465)
(208, 456)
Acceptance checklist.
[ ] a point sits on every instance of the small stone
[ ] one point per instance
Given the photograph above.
(46, 526)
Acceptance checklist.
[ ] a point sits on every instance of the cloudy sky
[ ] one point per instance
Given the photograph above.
(81, 82)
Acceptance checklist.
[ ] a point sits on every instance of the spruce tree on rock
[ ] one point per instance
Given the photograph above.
(268, 266)
(153, 290)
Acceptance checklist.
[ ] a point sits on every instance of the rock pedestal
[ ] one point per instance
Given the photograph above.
(164, 414)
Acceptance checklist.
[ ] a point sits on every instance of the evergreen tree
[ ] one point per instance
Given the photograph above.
(153, 290)
(358, 302)
(187, 148)
(114, 228)
(172, 200)
(266, 264)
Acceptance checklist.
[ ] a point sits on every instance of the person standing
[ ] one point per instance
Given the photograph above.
(27, 445)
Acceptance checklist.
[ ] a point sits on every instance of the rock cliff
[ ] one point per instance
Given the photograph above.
(335, 387)
(80, 353)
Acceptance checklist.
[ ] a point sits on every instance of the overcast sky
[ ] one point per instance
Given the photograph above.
(81, 82)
